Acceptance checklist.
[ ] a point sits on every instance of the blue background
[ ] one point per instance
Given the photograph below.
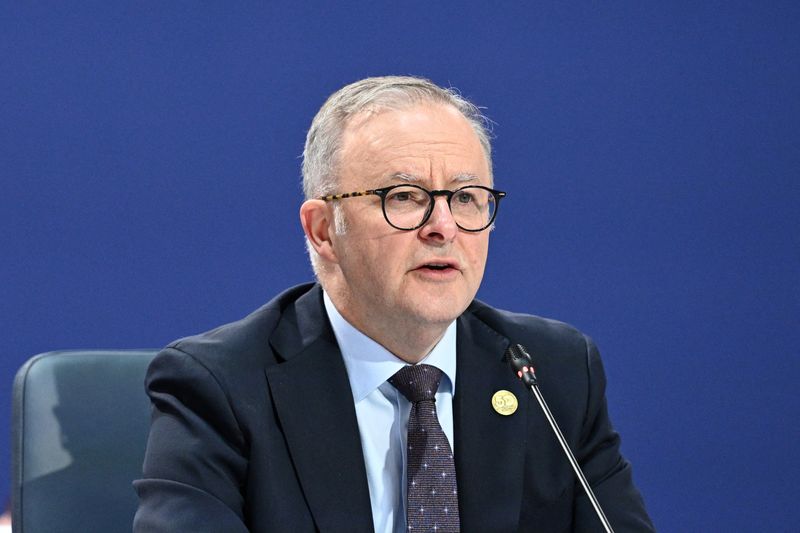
(150, 187)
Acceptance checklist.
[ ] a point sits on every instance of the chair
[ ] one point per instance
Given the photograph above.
(79, 429)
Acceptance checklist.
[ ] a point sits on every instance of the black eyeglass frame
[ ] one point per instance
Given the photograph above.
(448, 194)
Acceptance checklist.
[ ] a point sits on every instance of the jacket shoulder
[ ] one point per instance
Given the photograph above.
(542, 337)
(242, 343)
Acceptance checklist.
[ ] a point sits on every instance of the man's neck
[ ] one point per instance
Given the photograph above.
(410, 346)
(407, 340)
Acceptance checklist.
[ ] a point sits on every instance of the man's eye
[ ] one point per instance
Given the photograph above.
(405, 196)
(465, 198)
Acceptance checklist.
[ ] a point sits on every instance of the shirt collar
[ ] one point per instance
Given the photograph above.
(369, 364)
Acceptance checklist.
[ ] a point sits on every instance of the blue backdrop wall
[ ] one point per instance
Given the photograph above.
(150, 188)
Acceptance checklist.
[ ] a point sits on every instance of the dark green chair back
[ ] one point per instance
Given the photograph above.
(79, 430)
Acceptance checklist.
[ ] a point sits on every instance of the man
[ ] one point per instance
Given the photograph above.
(300, 417)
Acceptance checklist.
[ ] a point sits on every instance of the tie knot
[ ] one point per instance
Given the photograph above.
(417, 382)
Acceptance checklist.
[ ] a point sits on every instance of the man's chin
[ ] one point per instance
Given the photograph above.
(436, 311)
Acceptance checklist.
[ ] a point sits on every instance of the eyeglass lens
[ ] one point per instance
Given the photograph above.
(472, 207)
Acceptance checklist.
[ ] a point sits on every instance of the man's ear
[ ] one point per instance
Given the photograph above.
(317, 221)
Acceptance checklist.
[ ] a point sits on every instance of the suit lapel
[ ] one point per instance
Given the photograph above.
(489, 453)
(313, 400)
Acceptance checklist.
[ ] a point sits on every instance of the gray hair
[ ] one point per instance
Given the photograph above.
(323, 142)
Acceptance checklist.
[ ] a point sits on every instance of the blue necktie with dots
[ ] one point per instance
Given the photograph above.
(432, 493)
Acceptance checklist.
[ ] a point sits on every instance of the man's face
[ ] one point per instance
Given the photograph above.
(393, 277)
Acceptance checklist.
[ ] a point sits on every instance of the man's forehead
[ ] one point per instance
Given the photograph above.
(416, 179)
(422, 173)
(390, 121)
(415, 144)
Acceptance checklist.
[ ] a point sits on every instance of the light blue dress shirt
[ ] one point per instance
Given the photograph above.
(383, 412)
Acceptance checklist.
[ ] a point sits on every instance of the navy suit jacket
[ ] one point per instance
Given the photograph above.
(254, 429)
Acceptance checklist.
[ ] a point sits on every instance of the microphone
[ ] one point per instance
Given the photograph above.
(522, 364)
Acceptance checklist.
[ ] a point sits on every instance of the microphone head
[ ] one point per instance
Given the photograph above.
(521, 363)
(518, 357)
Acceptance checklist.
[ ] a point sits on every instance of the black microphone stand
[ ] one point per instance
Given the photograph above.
(523, 366)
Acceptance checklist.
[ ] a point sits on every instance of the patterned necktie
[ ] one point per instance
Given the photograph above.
(432, 495)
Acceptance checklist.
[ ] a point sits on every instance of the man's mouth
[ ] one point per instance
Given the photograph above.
(439, 266)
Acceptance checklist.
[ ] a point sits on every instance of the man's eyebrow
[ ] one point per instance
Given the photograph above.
(403, 176)
(461, 178)
(411, 178)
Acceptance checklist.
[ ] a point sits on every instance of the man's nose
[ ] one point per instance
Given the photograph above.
(441, 226)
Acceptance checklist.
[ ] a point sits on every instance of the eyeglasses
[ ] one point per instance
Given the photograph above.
(408, 207)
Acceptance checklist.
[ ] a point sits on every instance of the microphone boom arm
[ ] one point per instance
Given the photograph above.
(521, 362)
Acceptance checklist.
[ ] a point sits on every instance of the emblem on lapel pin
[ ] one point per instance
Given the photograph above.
(504, 402)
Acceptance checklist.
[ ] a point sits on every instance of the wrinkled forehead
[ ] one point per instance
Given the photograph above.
(418, 143)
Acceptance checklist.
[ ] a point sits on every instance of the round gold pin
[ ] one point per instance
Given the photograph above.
(504, 402)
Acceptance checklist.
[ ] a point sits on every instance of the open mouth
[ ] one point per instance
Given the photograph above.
(443, 267)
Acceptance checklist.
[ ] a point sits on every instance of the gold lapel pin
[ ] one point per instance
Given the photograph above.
(504, 402)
